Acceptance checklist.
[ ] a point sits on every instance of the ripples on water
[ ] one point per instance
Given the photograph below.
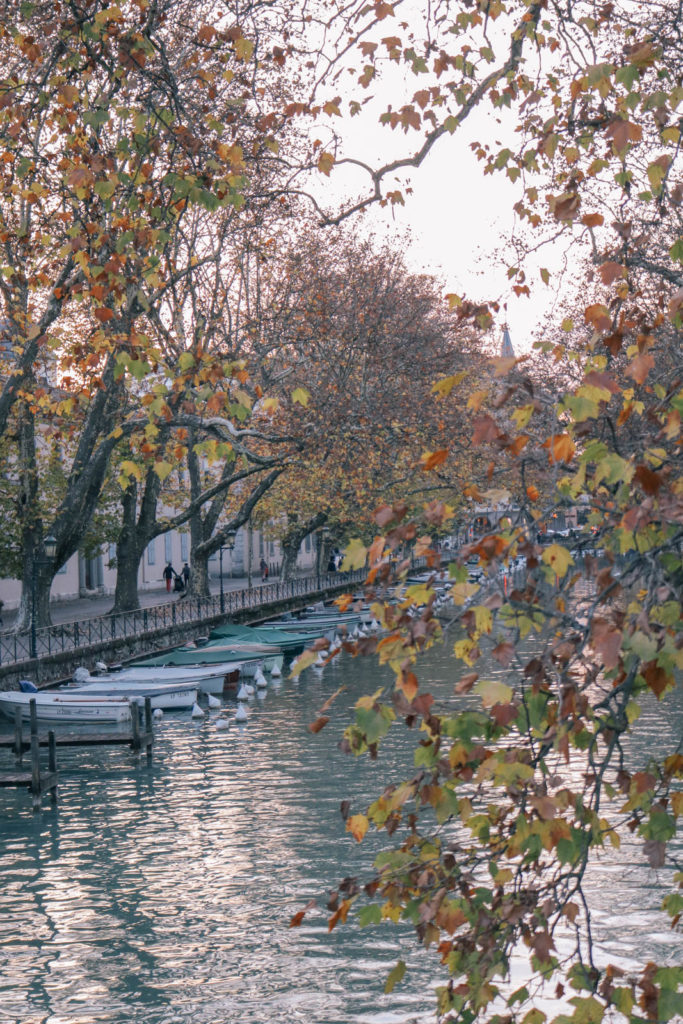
(163, 895)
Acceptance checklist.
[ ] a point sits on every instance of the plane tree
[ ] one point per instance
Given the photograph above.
(514, 794)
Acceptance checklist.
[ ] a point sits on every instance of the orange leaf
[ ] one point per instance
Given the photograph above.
(319, 724)
(639, 367)
(408, 683)
(432, 459)
(532, 493)
(103, 313)
(560, 448)
(592, 220)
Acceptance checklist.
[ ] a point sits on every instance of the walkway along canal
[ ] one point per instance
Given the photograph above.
(61, 648)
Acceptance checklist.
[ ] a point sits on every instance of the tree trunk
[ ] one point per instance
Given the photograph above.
(199, 580)
(290, 544)
(128, 554)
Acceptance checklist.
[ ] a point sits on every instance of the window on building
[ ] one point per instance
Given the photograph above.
(184, 547)
(307, 542)
(168, 547)
(151, 552)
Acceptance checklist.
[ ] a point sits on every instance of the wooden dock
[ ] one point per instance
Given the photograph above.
(39, 782)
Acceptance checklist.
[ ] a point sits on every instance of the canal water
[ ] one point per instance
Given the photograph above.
(163, 895)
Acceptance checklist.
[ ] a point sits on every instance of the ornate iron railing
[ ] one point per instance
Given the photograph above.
(91, 632)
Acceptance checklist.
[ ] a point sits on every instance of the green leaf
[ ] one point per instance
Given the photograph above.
(371, 914)
(395, 975)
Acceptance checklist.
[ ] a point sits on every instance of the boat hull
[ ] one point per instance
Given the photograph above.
(216, 679)
(67, 710)
(177, 697)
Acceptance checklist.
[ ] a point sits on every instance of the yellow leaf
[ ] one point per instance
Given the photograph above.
(354, 555)
(304, 660)
(444, 386)
(357, 825)
(483, 618)
(301, 395)
(558, 558)
(492, 692)
(162, 469)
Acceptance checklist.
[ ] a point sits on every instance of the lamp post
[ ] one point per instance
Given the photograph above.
(229, 544)
(40, 561)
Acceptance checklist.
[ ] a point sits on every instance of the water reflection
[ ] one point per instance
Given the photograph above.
(163, 895)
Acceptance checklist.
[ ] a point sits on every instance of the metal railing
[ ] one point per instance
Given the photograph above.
(91, 632)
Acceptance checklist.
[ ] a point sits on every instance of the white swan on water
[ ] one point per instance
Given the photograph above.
(222, 722)
(241, 714)
(197, 711)
(213, 702)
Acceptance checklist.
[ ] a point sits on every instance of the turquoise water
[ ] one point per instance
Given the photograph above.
(163, 895)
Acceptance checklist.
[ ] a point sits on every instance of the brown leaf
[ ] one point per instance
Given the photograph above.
(296, 920)
(611, 271)
(639, 367)
(655, 852)
(319, 724)
(466, 682)
(504, 653)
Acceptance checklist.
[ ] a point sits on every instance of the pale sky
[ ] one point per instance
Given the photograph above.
(458, 218)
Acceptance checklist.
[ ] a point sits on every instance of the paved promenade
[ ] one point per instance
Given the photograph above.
(90, 607)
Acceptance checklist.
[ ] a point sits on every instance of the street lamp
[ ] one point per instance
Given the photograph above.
(41, 560)
(229, 544)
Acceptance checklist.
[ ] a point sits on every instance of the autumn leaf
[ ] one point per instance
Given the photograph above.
(560, 447)
(318, 724)
(325, 163)
(558, 558)
(395, 975)
(297, 918)
(639, 368)
(430, 460)
(301, 395)
(357, 825)
(493, 692)
(355, 555)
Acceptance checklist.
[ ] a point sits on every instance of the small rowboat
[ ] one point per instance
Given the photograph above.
(57, 706)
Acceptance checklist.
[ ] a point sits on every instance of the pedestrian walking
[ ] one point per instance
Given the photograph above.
(264, 569)
(168, 574)
(185, 573)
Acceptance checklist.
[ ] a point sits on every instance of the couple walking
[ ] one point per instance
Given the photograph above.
(180, 580)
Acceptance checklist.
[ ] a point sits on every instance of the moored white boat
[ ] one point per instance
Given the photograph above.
(208, 678)
(57, 706)
(173, 697)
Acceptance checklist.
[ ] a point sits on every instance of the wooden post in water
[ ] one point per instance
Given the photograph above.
(18, 737)
(135, 725)
(52, 765)
(35, 756)
(149, 732)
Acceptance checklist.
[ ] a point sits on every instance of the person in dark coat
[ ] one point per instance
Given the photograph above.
(168, 574)
(185, 573)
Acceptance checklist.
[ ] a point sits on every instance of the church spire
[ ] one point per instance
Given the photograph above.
(506, 349)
